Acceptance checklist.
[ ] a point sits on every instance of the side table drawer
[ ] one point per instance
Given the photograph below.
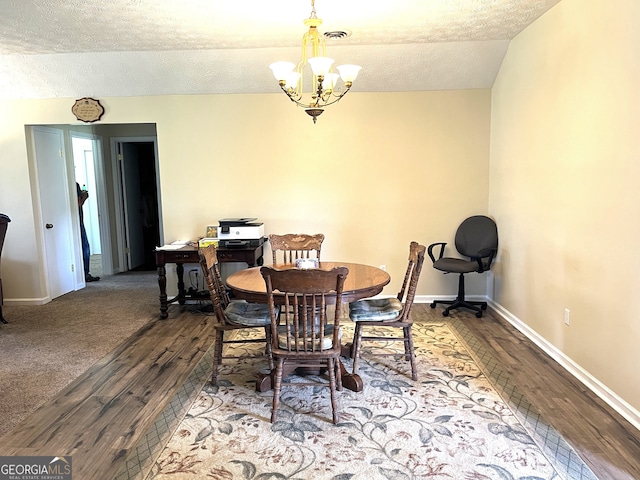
(183, 256)
(250, 256)
(231, 256)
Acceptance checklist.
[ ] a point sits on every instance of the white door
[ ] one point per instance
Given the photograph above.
(55, 210)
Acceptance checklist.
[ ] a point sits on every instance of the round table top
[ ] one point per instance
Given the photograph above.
(363, 281)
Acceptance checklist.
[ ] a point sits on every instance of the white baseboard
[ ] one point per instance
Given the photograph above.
(614, 401)
(26, 301)
(607, 395)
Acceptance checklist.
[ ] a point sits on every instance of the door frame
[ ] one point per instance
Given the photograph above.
(101, 196)
(118, 182)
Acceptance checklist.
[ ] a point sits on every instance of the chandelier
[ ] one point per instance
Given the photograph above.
(323, 89)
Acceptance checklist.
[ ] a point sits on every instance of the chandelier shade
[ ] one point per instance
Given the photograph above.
(323, 88)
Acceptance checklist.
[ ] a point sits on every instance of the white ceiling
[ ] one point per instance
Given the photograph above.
(74, 48)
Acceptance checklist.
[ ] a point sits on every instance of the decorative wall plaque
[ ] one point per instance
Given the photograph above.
(87, 109)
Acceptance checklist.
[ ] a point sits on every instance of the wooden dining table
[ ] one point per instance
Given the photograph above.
(363, 281)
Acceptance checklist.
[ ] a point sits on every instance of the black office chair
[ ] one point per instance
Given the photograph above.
(4, 223)
(477, 239)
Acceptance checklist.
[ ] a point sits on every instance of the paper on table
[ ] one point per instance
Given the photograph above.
(178, 244)
(170, 247)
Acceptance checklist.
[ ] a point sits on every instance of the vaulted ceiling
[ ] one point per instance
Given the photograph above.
(71, 48)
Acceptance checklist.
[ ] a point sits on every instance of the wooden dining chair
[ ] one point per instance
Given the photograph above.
(295, 245)
(232, 315)
(304, 332)
(394, 313)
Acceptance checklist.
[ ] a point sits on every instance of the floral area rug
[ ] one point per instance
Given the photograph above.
(450, 424)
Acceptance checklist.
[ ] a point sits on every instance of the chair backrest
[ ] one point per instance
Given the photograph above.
(4, 223)
(303, 326)
(295, 245)
(211, 272)
(410, 283)
(477, 237)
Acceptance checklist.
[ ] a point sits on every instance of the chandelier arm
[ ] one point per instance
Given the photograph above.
(317, 104)
(335, 100)
(292, 93)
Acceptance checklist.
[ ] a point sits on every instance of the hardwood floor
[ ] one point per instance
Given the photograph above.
(605, 441)
(101, 416)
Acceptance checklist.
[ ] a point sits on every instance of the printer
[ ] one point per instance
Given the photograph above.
(240, 233)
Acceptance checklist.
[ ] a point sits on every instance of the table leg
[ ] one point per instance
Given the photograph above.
(162, 283)
(265, 381)
(181, 290)
(351, 381)
(347, 350)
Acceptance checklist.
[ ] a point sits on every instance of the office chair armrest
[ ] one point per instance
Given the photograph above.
(432, 246)
(488, 253)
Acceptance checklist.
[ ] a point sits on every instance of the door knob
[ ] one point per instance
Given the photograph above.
(49, 225)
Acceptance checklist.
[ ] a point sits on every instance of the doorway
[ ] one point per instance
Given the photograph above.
(140, 214)
(80, 150)
(86, 161)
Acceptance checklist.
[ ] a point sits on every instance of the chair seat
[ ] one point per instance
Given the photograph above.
(455, 265)
(375, 309)
(241, 312)
(327, 341)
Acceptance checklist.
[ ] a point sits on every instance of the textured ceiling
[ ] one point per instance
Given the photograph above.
(71, 48)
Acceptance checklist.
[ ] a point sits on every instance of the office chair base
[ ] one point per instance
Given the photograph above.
(477, 307)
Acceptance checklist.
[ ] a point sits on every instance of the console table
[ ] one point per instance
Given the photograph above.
(252, 256)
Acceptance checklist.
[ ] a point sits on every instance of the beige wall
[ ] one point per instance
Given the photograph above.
(564, 185)
(375, 172)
